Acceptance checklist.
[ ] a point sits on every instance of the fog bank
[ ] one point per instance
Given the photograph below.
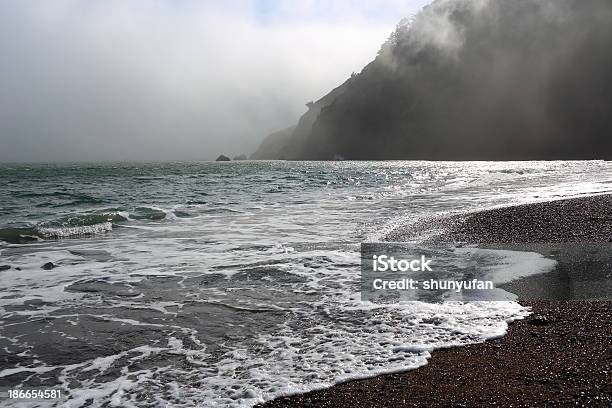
(165, 80)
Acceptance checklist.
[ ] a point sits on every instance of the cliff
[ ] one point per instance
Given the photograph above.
(472, 80)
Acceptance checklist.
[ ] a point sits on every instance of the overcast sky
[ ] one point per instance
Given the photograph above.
(173, 80)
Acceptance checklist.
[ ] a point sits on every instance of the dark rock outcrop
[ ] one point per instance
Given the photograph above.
(464, 79)
(223, 158)
(48, 266)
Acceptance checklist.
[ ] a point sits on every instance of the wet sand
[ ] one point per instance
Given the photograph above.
(559, 356)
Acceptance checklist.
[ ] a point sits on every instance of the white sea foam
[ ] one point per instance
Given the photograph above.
(349, 339)
(71, 232)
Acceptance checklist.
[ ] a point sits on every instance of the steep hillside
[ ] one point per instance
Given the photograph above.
(474, 79)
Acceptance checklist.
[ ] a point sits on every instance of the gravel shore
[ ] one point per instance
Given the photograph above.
(583, 219)
(559, 356)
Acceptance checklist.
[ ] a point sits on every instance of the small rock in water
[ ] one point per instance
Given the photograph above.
(5, 267)
(223, 158)
(48, 266)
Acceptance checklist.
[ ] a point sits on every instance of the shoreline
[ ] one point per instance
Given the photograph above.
(560, 355)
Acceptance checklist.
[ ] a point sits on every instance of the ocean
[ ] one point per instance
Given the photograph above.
(228, 284)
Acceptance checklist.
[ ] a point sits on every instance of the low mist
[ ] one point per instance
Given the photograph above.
(165, 80)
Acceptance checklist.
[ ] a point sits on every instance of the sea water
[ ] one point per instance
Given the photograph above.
(228, 284)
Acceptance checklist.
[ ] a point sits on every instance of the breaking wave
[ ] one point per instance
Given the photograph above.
(66, 227)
